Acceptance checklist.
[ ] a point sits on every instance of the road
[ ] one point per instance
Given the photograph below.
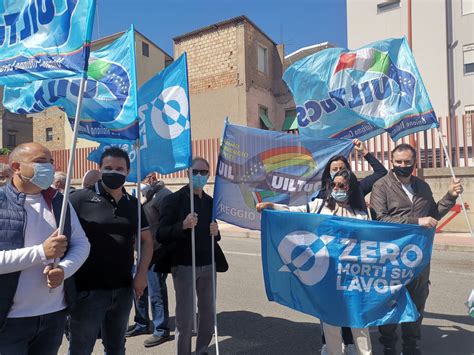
(250, 324)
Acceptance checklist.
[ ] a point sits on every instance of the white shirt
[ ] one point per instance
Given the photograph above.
(315, 206)
(32, 297)
(409, 191)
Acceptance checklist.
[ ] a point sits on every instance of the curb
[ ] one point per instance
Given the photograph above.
(444, 246)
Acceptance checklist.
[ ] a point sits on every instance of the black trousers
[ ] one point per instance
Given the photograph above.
(411, 331)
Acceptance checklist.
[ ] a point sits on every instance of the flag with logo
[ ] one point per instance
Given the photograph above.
(165, 127)
(341, 93)
(109, 105)
(44, 39)
(346, 272)
(257, 165)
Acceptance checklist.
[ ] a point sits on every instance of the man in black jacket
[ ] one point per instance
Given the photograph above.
(174, 230)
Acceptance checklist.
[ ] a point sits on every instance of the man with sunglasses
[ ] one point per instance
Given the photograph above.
(400, 197)
(174, 231)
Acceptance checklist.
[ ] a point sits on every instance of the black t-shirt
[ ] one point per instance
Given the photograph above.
(111, 228)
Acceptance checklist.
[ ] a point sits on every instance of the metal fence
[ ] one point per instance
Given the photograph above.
(460, 144)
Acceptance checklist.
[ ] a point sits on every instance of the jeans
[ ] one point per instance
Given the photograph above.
(33, 335)
(158, 293)
(104, 310)
(183, 286)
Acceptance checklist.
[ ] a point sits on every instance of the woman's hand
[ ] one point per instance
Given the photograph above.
(360, 146)
(264, 205)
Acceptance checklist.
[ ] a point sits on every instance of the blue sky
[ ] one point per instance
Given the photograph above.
(296, 23)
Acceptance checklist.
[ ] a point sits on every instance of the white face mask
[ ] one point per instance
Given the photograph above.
(43, 176)
(144, 188)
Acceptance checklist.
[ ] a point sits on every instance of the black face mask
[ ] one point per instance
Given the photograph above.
(405, 171)
(113, 180)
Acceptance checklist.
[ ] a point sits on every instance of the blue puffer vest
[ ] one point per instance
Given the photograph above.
(12, 230)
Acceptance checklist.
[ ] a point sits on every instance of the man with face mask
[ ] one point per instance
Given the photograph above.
(400, 197)
(174, 231)
(105, 282)
(34, 295)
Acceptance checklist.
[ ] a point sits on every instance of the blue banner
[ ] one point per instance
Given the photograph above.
(44, 39)
(165, 127)
(358, 94)
(257, 165)
(109, 107)
(344, 271)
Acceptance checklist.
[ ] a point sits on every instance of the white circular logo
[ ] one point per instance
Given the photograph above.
(168, 113)
(305, 255)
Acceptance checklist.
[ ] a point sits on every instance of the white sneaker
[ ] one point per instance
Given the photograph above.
(350, 349)
(324, 350)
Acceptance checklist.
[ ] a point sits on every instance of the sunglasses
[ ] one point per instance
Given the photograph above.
(201, 172)
(339, 185)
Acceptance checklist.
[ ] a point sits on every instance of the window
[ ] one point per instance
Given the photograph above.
(467, 7)
(265, 122)
(145, 49)
(290, 122)
(262, 59)
(388, 5)
(11, 139)
(49, 134)
(468, 59)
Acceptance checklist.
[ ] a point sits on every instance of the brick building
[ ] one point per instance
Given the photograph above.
(51, 128)
(235, 70)
(14, 129)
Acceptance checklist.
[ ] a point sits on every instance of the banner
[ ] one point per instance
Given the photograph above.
(357, 94)
(165, 128)
(257, 165)
(109, 106)
(344, 271)
(44, 39)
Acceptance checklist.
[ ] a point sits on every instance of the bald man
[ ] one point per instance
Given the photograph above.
(33, 294)
(90, 178)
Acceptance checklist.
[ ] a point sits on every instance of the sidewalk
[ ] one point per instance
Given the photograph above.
(443, 241)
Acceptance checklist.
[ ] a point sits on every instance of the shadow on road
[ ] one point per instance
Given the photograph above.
(251, 333)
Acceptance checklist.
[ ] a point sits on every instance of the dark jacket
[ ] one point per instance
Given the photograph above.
(176, 242)
(366, 184)
(391, 203)
(12, 229)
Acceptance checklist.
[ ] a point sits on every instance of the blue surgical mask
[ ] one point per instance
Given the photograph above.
(333, 174)
(340, 196)
(199, 181)
(43, 176)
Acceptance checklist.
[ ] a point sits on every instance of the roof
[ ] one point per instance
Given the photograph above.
(214, 26)
(118, 34)
(305, 51)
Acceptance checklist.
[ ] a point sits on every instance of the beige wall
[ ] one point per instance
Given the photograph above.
(52, 118)
(19, 125)
(365, 25)
(148, 66)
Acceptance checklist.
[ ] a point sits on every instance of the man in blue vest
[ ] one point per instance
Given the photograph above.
(34, 295)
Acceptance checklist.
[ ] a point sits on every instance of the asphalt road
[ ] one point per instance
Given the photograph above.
(249, 324)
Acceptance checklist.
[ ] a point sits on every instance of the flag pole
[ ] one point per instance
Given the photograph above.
(214, 286)
(70, 168)
(193, 248)
(139, 204)
(448, 159)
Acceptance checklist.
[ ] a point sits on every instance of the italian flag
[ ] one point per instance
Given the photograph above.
(367, 59)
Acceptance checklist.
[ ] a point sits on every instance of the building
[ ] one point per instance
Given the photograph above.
(51, 127)
(14, 129)
(442, 37)
(235, 71)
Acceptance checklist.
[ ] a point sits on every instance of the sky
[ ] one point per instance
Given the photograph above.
(296, 23)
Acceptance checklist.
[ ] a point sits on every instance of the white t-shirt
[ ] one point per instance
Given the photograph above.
(33, 297)
(409, 191)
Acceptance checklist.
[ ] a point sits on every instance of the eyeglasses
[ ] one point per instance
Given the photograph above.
(201, 172)
(339, 185)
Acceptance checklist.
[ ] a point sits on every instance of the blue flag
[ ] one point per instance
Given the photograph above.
(44, 39)
(346, 272)
(358, 94)
(257, 165)
(109, 106)
(165, 128)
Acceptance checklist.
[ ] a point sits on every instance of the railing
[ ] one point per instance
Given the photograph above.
(430, 152)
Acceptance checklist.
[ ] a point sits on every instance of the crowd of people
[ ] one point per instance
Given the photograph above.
(84, 280)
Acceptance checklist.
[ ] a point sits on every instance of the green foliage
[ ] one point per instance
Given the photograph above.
(5, 151)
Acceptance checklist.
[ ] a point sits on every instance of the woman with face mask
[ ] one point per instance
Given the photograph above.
(344, 199)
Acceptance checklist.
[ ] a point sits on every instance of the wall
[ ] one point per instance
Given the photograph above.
(52, 118)
(20, 125)
(365, 25)
(216, 75)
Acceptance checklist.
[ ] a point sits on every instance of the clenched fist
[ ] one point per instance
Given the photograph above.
(55, 246)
